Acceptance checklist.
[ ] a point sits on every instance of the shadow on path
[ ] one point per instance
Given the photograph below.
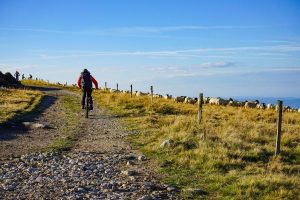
(10, 129)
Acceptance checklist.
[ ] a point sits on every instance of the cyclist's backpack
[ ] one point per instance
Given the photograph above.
(86, 80)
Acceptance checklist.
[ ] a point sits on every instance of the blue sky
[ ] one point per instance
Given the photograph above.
(222, 48)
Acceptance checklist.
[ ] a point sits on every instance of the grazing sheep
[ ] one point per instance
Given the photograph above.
(168, 96)
(218, 101)
(190, 100)
(261, 106)
(270, 106)
(114, 91)
(180, 99)
(251, 104)
(141, 94)
(241, 103)
(233, 103)
(287, 109)
(157, 96)
(206, 100)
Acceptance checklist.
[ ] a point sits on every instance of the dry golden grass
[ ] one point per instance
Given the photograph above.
(229, 155)
(17, 101)
(29, 82)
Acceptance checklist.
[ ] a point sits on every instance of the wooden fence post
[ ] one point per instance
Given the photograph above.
(200, 101)
(279, 122)
(117, 87)
(131, 90)
(151, 89)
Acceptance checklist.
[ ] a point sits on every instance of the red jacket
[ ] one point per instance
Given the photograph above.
(92, 79)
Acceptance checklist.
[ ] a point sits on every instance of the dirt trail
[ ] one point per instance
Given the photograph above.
(102, 134)
(101, 165)
(16, 139)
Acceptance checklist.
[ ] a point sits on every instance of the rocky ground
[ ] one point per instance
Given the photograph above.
(101, 165)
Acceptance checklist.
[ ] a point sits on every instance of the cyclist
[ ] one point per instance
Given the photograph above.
(84, 82)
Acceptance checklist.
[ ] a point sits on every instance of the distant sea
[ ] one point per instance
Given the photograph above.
(287, 101)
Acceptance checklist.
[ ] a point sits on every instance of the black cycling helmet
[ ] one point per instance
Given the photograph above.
(85, 70)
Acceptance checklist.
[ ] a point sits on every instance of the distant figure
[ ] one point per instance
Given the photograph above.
(85, 82)
(17, 74)
(30, 76)
(23, 76)
(36, 79)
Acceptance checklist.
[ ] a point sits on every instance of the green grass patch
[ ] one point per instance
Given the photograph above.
(68, 133)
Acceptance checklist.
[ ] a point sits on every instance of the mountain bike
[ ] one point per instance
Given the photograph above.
(87, 105)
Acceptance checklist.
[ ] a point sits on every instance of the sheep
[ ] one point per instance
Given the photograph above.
(190, 100)
(157, 96)
(294, 110)
(270, 106)
(114, 91)
(287, 109)
(261, 106)
(141, 94)
(206, 100)
(180, 99)
(126, 92)
(233, 103)
(167, 96)
(251, 104)
(218, 101)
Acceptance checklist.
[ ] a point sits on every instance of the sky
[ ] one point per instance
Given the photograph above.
(181, 47)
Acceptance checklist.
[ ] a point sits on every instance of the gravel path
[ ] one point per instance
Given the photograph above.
(101, 165)
(17, 139)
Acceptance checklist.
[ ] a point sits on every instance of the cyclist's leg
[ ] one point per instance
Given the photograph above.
(89, 93)
(83, 98)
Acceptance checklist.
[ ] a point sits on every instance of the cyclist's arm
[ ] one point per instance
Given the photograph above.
(95, 82)
(79, 81)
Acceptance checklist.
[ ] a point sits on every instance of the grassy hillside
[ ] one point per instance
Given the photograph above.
(14, 102)
(228, 156)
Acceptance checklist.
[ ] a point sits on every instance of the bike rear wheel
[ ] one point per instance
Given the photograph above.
(86, 106)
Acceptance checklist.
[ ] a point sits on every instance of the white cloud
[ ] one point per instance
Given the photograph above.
(186, 53)
(134, 29)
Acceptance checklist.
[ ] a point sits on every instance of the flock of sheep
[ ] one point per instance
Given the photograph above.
(210, 100)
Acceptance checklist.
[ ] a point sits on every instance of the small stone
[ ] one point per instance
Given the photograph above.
(129, 162)
(82, 190)
(148, 186)
(107, 186)
(142, 158)
(34, 125)
(146, 197)
(172, 189)
(130, 157)
(166, 163)
(39, 179)
(129, 172)
(166, 143)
